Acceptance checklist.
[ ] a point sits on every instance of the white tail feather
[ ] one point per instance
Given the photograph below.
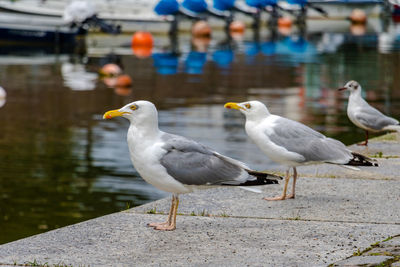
(251, 189)
(350, 167)
(392, 128)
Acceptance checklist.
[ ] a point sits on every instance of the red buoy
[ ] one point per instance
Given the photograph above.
(123, 80)
(142, 39)
(142, 44)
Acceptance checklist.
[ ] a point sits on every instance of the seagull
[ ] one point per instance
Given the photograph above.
(177, 164)
(3, 95)
(364, 116)
(293, 144)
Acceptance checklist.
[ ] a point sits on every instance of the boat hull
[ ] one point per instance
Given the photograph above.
(50, 37)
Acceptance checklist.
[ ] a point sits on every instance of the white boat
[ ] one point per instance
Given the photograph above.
(21, 29)
(130, 14)
(135, 15)
(338, 9)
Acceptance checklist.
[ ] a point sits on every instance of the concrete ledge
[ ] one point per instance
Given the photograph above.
(123, 239)
(363, 261)
(340, 200)
(385, 253)
(333, 217)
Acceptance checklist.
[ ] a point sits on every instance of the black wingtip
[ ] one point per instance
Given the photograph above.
(259, 181)
(262, 178)
(361, 160)
(264, 174)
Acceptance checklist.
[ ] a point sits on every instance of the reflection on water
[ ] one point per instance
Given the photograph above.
(77, 78)
(60, 163)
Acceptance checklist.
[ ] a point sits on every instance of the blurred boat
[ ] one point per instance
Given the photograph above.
(33, 59)
(18, 28)
(131, 15)
(334, 9)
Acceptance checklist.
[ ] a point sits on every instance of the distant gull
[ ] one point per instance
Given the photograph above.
(3, 95)
(293, 144)
(364, 116)
(176, 164)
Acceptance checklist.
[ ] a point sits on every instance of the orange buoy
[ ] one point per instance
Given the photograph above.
(123, 91)
(201, 43)
(201, 29)
(358, 29)
(284, 22)
(143, 39)
(285, 26)
(110, 69)
(358, 16)
(110, 81)
(237, 26)
(236, 30)
(123, 80)
(142, 51)
(142, 44)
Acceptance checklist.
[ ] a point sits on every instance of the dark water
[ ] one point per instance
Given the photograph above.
(60, 163)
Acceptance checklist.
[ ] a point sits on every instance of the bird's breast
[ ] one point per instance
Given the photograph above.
(351, 113)
(260, 136)
(145, 156)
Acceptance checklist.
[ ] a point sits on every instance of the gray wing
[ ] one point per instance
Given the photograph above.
(194, 164)
(312, 145)
(373, 118)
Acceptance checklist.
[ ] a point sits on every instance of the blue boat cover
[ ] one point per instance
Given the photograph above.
(195, 62)
(347, 1)
(261, 3)
(298, 2)
(166, 63)
(224, 5)
(197, 6)
(167, 7)
(223, 58)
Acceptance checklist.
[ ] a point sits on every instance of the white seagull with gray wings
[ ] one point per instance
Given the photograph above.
(293, 144)
(364, 116)
(176, 164)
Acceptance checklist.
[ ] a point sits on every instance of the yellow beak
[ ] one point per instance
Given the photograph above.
(113, 113)
(233, 105)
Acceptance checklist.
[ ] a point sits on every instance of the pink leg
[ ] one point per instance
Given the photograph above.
(168, 222)
(172, 224)
(366, 140)
(283, 196)
(292, 195)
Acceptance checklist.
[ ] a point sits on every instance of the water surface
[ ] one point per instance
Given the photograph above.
(61, 163)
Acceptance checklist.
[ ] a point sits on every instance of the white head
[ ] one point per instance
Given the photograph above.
(353, 86)
(253, 110)
(140, 113)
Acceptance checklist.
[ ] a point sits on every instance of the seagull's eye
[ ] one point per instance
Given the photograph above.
(133, 107)
(247, 105)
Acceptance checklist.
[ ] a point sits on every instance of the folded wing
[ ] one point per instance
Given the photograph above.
(194, 164)
(373, 118)
(310, 144)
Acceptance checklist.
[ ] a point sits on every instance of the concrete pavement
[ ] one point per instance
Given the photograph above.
(337, 218)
